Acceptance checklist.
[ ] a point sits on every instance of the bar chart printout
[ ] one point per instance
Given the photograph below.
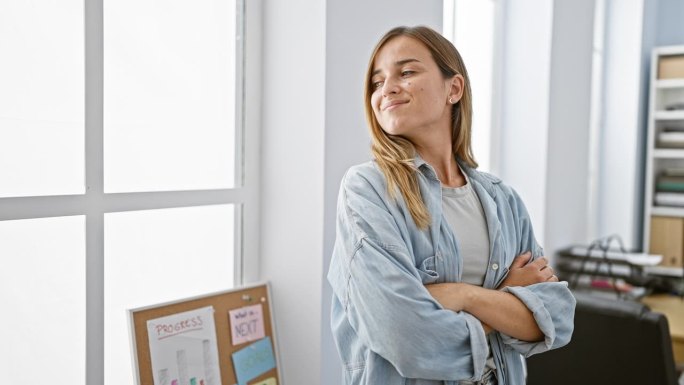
(183, 348)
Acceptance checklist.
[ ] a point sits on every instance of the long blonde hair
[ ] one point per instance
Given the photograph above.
(394, 154)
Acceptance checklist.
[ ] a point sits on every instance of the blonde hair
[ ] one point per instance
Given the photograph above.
(394, 154)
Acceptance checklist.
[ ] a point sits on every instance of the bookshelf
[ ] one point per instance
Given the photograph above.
(663, 209)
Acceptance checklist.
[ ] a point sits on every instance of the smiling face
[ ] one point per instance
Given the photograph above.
(409, 94)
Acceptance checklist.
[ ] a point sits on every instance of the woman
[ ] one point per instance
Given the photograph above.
(436, 273)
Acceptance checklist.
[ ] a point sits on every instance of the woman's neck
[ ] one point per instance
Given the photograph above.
(441, 158)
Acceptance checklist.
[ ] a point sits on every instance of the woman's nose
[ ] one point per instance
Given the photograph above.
(390, 86)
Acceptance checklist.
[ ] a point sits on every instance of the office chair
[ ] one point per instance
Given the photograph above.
(614, 342)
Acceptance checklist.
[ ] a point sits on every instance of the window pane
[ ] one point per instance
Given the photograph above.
(169, 95)
(42, 296)
(156, 256)
(473, 33)
(41, 98)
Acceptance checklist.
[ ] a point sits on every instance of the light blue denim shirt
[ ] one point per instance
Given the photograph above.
(387, 327)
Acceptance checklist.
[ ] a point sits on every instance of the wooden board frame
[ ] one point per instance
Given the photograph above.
(224, 301)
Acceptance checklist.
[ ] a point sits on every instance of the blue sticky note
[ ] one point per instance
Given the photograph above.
(254, 360)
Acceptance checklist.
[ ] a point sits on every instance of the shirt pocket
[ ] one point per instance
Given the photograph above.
(428, 270)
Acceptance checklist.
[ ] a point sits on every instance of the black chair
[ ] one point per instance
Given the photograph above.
(614, 342)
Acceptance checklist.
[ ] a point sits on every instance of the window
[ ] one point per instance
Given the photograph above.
(169, 85)
(41, 98)
(470, 26)
(43, 297)
(128, 172)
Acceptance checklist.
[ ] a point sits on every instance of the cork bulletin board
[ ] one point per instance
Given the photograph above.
(245, 351)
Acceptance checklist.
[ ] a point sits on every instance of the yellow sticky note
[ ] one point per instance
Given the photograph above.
(268, 381)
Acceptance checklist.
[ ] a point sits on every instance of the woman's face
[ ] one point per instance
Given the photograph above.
(410, 96)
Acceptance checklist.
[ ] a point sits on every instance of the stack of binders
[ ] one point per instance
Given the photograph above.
(671, 137)
(670, 188)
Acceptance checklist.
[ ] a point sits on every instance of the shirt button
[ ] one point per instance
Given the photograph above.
(495, 266)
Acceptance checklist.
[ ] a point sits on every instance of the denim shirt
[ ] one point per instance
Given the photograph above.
(387, 327)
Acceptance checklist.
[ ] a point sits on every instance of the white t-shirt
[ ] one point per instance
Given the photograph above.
(464, 213)
(465, 216)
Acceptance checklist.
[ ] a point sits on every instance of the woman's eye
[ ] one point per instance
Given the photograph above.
(377, 84)
(407, 73)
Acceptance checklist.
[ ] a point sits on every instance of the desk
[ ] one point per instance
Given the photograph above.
(673, 308)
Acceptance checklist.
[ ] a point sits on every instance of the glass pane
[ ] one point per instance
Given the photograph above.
(41, 98)
(156, 256)
(474, 38)
(42, 296)
(169, 95)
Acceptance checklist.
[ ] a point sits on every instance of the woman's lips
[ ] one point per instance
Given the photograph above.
(393, 104)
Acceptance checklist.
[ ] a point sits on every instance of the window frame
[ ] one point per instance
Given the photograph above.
(94, 203)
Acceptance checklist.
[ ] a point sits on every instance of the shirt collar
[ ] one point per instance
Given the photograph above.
(486, 180)
(424, 167)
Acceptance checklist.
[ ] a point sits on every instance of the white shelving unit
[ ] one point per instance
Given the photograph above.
(663, 93)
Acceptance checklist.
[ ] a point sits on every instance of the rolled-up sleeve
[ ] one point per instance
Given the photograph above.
(551, 303)
(374, 277)
(553, 308)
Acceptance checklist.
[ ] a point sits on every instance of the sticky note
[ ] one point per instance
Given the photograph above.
(246, 324)
(268, 381)
(253, 360)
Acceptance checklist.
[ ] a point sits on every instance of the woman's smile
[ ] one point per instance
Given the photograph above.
(393, 104)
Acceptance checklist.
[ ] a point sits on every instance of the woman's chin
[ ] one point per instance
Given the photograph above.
(396, 130)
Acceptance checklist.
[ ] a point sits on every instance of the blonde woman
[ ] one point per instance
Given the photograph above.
(436, 274)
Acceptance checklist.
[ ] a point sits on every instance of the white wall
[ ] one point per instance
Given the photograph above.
(619, 205)
(315, 55)
(566, 217)
(293, 124)
(669, 26)
(524, 103)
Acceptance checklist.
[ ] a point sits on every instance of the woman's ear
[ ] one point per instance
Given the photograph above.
(456, 88)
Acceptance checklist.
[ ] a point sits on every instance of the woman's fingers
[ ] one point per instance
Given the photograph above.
(540, 262)
(522, 273)
(544, 270)
(547, 272)
(521, 260)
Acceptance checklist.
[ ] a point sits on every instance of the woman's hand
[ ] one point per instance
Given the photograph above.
(522, 273)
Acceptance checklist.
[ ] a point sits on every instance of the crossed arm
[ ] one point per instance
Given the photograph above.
(496, 309)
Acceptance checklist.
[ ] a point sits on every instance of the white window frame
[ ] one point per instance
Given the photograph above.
(94, 204)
